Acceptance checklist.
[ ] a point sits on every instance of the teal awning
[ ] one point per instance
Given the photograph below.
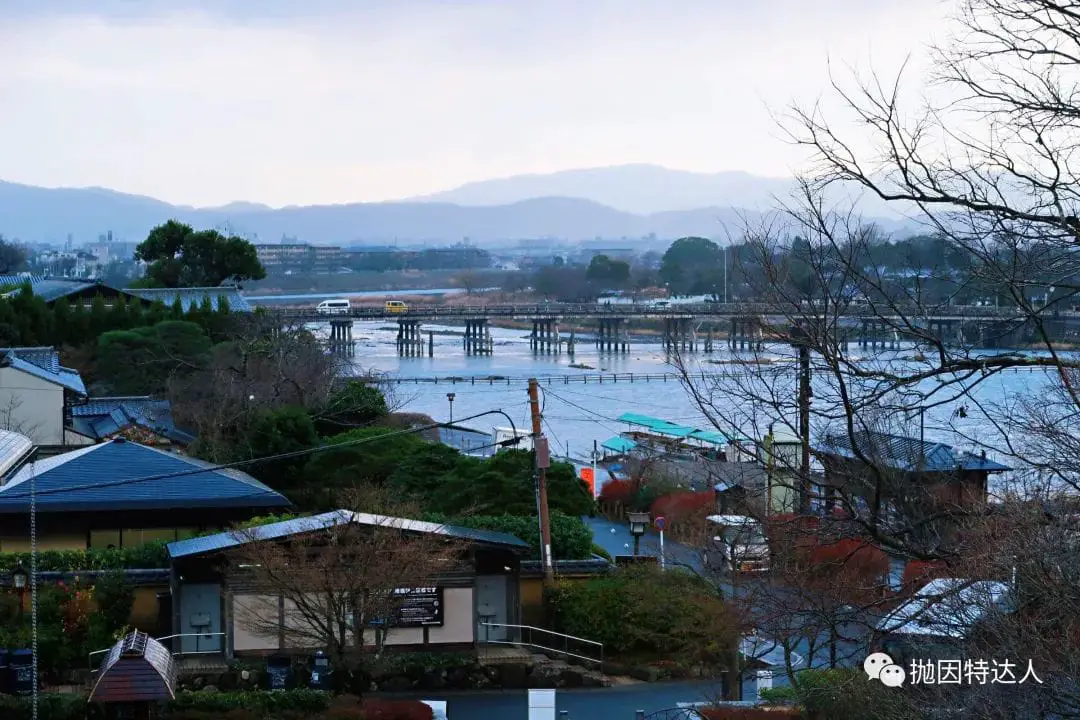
(665, 427)
(618, 444)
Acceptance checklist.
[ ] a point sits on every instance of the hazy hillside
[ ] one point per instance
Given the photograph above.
(642, 190)
(48, 215)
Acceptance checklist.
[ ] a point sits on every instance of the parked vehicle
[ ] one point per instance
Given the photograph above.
(334, 307)
(396, 306)
(735, 544)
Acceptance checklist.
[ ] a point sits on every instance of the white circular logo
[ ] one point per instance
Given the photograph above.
(892, 676)
(873, 664)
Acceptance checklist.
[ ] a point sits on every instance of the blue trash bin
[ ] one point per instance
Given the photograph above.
(21, 672)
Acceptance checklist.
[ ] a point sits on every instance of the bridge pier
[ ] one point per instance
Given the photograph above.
(611, 337)
(545, 335)
(709, 341)
(477, 340)
(679, 334)
(409, 340)
(341, 339)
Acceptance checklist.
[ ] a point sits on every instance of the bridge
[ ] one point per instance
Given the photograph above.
(682, 326)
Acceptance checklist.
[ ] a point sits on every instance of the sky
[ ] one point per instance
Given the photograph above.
(295, 102)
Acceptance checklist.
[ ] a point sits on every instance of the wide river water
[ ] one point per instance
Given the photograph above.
(577, 414)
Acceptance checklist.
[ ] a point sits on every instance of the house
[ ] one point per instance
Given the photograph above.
(903, 467)
(476, 604)
(194, 297)
(34, 392)
(940, 617)
(123, 494)
(51, 289)
(142, 419)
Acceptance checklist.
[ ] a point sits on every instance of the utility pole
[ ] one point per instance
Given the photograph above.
(801, 341)
(540, 451)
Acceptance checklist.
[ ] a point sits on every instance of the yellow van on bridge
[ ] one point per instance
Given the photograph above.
(396, 306)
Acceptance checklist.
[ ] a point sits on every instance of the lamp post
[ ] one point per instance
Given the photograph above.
(639, 522)
(19, 580)
(450, 397)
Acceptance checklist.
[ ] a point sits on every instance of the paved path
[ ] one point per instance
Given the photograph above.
(616, 703)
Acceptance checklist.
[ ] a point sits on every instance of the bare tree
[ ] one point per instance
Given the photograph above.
(346, 584)
(12, 256)
(987, 166)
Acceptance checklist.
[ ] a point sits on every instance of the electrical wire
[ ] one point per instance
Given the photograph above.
(208, 467)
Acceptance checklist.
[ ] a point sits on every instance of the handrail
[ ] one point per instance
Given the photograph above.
(565, 651)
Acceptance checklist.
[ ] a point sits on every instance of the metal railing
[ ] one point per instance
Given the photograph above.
(525, 635)
(196, 651)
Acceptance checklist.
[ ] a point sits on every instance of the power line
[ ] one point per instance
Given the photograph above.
(240, 463)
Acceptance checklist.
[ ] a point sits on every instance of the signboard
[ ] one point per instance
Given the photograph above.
(660, 522)
(419, 606)
(589, 477)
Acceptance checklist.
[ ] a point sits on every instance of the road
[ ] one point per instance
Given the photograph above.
(616, 703)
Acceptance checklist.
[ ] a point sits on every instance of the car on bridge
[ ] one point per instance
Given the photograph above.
(396, 307)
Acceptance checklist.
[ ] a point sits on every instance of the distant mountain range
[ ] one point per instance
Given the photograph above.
(625, 202)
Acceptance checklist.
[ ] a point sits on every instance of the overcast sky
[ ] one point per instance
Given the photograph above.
(317, 101)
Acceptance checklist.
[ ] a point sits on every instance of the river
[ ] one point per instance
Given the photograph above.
(576, 415)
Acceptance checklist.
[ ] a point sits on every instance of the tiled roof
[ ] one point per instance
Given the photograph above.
(102, 417)
(905, 453)
(947, 607)
(138, 668)
(122, 475)
(44, 363)
(312, 523)
(670, 429)
(14, 448)
(194, 296)
(51, 288)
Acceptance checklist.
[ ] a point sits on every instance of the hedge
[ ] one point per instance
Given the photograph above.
(571, 539)
(50, 707)
(145, 557)
(259, 704)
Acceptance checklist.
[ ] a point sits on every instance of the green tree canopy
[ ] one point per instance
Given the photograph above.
(358, 404)
(608, 273)
(142, 360)
(692, 265)
(180, 256)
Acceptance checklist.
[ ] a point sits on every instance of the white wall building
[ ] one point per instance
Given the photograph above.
(34, 391)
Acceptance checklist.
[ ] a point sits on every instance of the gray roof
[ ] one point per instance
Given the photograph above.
(14, 449)
(44, 363)
(313, 523)
(948, 607)
(103, 417)
(466, 440)
(190, 297)
(123, 475)
(751, 476)
(53, 288)
(906, 453)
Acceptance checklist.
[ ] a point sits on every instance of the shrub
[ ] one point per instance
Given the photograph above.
(645, 612)
(571, 539)
(749, 713)
(149, 556)
(50, 707)
(846, 694)
(261, 704)
(377, 709)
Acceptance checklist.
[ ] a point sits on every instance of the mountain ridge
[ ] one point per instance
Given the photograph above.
(37, 214)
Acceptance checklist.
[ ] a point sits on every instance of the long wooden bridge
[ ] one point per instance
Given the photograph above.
(686, 326)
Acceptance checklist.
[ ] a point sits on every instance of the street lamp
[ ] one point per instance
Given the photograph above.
(450, 396)
(639, 523)
(19, 580)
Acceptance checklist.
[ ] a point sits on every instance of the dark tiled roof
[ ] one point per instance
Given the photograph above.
(122, 475)
(53, 288)
(44, 363)
(313, 523)
(138, 668)
(905, 453)
(102, 417)
(194, 296)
